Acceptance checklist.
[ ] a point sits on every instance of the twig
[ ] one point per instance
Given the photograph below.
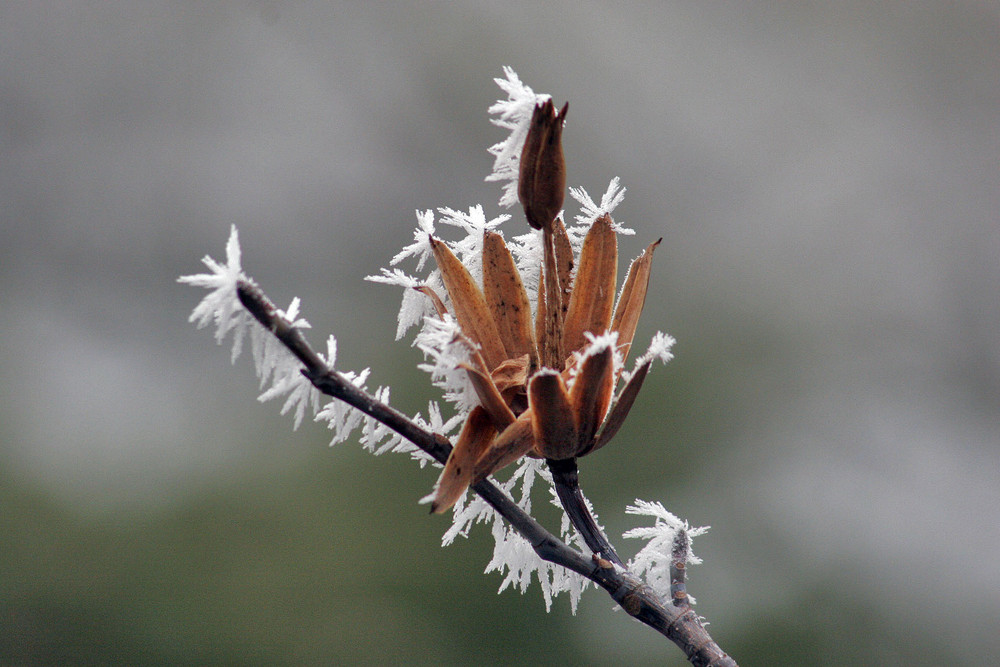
(678, 623)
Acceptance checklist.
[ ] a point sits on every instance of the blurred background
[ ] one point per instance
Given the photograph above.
(826, 178)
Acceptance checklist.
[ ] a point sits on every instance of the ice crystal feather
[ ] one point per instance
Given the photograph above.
(653, 560)
(591, 211)
(421, 246)
(513, 114)
(415, 306)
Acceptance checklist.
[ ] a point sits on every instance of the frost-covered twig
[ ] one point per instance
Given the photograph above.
(528, 344)
(676, 622)
(331, 382)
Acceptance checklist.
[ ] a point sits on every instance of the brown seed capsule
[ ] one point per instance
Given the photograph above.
(542, 178)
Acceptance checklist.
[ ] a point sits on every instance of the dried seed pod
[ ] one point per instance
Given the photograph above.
(542, 178)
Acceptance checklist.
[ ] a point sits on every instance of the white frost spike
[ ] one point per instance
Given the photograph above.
(659, 348)
(528, 250)
(301, 392)
(609, 339)
(275, 362)
(590, 211)
(513, 553)
(415, 305)
(442, 342)
(221, 305)
(512, 114)
(421, 246)
(434, 423)
(653, 560)
(269, 354)
(340, 417)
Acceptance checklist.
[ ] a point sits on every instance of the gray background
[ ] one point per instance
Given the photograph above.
(824, 176)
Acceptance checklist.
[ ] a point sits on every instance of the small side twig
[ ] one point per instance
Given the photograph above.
(678, 567)
(678, 623)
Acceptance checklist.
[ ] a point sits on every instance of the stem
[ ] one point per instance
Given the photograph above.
(552, 352)
(676, 622)
(566, 478)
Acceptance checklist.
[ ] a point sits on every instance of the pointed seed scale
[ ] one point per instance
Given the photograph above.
(619, 411)
(514, 442)
(459, 470)
(593, 294)
(470, 307)
(591, 394)
(489, 398)
(633, 298)
(505, 297)
(540, 317)
(553, 423)
(435, 299)
(552, 353)
(564, 257)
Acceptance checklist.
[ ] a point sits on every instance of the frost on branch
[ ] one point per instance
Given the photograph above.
(221, 304)
(276, 368)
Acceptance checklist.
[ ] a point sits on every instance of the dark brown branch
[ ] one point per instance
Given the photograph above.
(566, 478)
(678, 623)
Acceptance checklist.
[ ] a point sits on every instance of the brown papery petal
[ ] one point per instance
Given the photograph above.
(553, 423)
(506, 298)
(564, 257)
(471, 310)
(476, 435)
(591, 394)
(490, 398)
(514, 442)
(632, 299)
(594, 288)
(619, 411)
(511, 373)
